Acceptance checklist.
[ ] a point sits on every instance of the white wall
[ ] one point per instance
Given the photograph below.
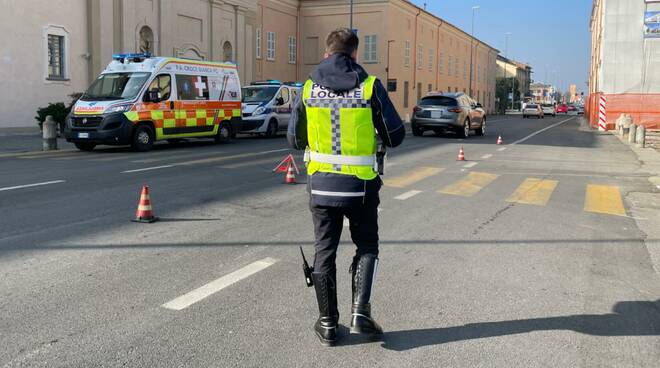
(23, 56)
(630, 63)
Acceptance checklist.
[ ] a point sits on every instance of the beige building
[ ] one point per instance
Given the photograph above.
(63, 44)
(508, 68)
(416, 51)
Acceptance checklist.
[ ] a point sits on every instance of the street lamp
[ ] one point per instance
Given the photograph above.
(506, 65)
(474, 8)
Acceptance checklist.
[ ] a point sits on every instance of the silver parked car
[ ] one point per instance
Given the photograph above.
(442, 112)
(532, 110)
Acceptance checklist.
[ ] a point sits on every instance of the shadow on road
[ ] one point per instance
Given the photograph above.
(628, 318)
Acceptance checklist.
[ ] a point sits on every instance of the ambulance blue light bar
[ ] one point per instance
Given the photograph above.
(131, 56)
(295, 84)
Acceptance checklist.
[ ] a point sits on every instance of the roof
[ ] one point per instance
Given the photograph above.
(148, 63)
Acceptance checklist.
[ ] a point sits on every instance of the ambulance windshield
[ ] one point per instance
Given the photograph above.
(259, 93)
(115, 86)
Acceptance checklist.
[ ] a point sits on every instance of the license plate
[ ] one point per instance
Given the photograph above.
(436, 114)
(83, 135)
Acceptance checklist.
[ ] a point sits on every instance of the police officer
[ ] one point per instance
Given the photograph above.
(337, 119)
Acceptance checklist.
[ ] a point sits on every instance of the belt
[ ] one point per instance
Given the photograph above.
(340, 159)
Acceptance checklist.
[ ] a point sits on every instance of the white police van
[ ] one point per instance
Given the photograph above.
(267, 106)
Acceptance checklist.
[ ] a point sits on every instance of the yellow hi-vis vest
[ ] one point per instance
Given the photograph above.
(341, 136)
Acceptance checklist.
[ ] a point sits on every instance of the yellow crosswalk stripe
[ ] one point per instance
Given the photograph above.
(534, 191)
(413, 176)
(604, 199)
(470, 185)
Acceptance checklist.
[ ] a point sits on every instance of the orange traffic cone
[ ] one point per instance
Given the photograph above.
(144, 212)
(290, 176)
(461, 155)
(499, 139)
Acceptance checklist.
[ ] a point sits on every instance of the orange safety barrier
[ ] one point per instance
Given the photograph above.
(644, 108)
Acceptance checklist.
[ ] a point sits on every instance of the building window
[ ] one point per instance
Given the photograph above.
(270, 46)
(430, 60)
(56, 55)
(430, 87)
(370, 51)
(464, 69)
(456, 66)
(292, 50)
(449, 65)
(258, 45)
(420, 56)
(406, 91)
(441, 61)
(406, 54)
(419, 91)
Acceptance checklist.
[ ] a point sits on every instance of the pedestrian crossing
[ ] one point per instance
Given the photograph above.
(598, 198)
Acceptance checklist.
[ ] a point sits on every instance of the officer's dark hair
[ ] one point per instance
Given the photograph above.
(341, 41)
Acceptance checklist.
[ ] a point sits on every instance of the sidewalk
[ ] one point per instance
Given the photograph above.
(645, 206)
(17, 140)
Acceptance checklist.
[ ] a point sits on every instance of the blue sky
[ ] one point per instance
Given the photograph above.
(544, 32)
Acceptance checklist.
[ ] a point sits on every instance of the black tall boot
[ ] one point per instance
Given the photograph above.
(364, 272)
(326, 295)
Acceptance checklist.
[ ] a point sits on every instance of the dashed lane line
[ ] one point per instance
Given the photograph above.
(501, 149)
(407, 195)
(486, 157)
(470, 164)
(413, 176)
(147, 169)
(192, 297)
(225, 158)
(32, 185)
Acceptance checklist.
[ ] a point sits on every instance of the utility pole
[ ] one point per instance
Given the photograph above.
(474, 8)
(351, 16)
(506, 65)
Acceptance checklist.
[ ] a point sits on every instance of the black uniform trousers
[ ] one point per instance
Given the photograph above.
(328, 225)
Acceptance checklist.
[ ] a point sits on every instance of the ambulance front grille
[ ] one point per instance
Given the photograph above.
(86, 122)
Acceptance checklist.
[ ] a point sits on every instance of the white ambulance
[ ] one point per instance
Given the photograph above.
(139, 99)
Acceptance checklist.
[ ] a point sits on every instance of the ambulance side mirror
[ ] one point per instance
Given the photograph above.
(280, 101)
(154, 95)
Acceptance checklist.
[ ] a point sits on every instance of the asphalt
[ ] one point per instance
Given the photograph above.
(476, 281)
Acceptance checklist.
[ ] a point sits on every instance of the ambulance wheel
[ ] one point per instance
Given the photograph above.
(224, 133)
(271, 131)
(85, 146)
(143, 138)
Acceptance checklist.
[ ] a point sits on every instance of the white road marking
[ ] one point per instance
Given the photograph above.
(188, 299)
(501, 149)
(408, 194)
(346, 222)
(540, 131)
(32, 185)
(147, 169)
(470, 164)
(485, 157)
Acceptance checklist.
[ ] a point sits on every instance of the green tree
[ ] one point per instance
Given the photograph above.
(503, 89)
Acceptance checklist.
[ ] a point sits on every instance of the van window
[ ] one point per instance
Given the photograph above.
(163, 83)
(192, 87)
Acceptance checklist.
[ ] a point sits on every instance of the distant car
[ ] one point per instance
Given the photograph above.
(532, 110)
(580, 110)
(571, 109)
(562, 109)
(442, 112)
(548, 109)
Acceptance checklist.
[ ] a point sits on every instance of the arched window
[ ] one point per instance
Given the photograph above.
(227, 52)
(146, 40)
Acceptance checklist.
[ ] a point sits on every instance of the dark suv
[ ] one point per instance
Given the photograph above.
(442, 112)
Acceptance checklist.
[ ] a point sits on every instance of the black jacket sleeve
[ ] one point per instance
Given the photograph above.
(386, 120)
(297, 130)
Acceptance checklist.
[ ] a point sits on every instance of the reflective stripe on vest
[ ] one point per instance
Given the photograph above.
(340, 130)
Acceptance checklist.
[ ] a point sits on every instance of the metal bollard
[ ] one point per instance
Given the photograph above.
(641, 136)
(632, 133)
(49, 134)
